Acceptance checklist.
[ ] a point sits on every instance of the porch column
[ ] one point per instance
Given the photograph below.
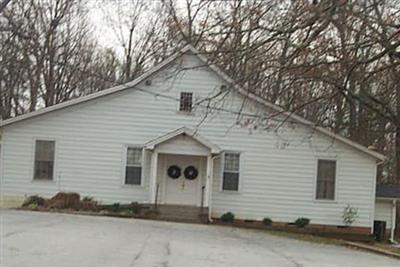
(153, 176)
(207, 189)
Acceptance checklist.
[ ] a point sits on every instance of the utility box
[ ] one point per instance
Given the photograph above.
(379, 230)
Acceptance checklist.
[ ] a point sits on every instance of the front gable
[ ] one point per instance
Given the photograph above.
(183, 141)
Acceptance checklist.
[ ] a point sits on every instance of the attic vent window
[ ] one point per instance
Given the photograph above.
(186, 101)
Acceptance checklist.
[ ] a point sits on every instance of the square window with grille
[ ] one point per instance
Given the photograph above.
(133, 169)
(230, 179)
(186, 102)
(44, 160)
(326, 177)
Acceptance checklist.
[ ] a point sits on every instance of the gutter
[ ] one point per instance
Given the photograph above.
(394, 204)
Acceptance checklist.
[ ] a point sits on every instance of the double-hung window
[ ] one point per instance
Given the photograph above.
(186, 102)
(326, 179)
(44, 160)
(133, 169)
(230, 179)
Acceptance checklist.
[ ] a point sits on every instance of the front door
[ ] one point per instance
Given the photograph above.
(183, 190)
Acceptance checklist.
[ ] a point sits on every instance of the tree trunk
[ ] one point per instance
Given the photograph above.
(397, 138)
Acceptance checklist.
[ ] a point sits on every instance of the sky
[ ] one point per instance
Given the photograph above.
(102, 30)
(102, 33)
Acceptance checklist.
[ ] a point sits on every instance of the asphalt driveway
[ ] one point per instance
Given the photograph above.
(44, 239)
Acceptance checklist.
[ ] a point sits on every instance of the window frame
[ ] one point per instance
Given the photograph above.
(335, 187)
(33, 160)
(192, 102)
(124, 165)
(240, 172)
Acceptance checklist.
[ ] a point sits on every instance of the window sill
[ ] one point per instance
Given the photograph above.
(132, 186)
(186, 113)
(325, 201)
(230, 192)
(52, 181)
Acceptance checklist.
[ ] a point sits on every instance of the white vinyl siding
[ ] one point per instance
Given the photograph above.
(230, 179)
(383, 212)
(133, 168)
(326, 177)
(44, 160)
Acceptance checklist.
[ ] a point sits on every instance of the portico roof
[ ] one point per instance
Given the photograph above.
(183, 131)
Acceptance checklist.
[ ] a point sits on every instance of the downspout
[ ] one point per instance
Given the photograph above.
(211, 186)
(393, 221)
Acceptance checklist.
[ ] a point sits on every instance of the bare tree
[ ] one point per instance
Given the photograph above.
(46, 52)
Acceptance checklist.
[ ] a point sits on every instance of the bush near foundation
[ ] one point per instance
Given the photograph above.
(228, 217)
(267, 221)
(302, 222)
(33, 200)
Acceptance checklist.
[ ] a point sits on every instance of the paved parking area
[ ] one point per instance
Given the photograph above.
(47, 239)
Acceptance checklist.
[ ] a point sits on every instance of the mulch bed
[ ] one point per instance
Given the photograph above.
(340, 233)
(72, 203)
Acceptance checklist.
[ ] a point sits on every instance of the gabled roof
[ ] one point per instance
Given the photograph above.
(183, 131)
(223, 75)
(388, 191)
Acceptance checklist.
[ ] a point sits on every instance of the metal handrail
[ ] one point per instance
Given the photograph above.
(202, 197)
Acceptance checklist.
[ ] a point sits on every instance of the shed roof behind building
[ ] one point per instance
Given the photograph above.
(388, 191)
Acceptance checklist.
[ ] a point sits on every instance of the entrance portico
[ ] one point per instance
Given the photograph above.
(181, 168)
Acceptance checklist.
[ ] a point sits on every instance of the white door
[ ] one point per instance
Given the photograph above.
(182, 191)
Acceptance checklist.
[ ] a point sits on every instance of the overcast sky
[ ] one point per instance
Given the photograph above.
(101, 31)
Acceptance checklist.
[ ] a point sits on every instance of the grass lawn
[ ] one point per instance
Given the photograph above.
(388, 247)
(330, 241)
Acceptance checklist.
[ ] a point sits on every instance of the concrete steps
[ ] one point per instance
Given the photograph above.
(180, 213)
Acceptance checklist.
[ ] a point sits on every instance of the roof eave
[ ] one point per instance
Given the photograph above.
(214, 149)
(387, 198)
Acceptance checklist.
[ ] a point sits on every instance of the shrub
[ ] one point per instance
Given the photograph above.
(38, 201)
(350, 214)
(267, 221)
(33, 206)
(115, 207)
(228, 217)
(302, 222)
